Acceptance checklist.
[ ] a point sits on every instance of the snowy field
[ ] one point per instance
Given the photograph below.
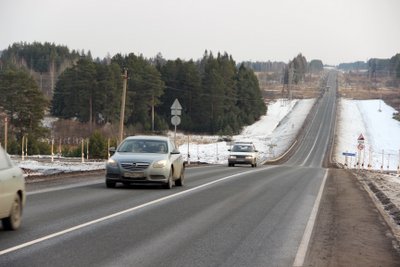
(374, 120)
(275, 132)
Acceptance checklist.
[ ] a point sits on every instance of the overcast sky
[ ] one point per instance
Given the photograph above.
(334, 31)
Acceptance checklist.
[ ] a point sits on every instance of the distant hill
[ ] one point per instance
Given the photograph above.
(45, 61)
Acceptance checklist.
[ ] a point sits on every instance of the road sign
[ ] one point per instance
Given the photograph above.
(176, 120)
(361, 139)
(176, 106)
(360, 146)
(176, 112)
(349, 154)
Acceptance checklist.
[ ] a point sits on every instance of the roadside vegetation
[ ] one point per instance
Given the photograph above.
(375, 79)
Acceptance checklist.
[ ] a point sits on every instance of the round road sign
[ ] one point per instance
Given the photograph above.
(176, 120)
(360, 146)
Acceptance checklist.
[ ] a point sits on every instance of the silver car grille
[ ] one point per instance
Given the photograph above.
(135, 166)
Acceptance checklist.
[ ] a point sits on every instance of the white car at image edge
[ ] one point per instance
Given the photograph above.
(12, 192)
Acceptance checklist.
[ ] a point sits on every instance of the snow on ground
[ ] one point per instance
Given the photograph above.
(278, 127)
(374, 120)
(34, 167)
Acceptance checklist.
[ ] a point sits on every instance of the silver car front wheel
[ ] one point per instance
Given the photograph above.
(14, 220)
(170, 181)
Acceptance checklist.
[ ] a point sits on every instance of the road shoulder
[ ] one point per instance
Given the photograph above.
(349, 230)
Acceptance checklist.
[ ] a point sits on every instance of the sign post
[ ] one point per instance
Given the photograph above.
(176, 111)
(360, 147)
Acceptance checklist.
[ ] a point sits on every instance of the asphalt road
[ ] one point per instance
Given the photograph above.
(223, 216)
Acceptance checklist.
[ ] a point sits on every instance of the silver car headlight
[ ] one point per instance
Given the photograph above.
(249, 157)
(232, 157)
(112, 163)
(160, 164)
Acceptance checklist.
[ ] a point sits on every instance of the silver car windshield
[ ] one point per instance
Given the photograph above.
(242, 148)
(144, 146)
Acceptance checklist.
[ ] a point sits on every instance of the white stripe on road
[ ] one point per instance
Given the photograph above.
(58, 188)
(302, 250)
(2, 252)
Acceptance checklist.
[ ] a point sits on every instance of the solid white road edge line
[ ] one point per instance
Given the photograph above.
(302, 250)
(5, 251)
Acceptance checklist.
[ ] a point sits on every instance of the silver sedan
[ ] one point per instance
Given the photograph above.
(145, 159)
(12, 192)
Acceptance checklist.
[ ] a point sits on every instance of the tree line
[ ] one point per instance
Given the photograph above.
(39, 57)
(386, 67)
(376, 66)
(216, 96)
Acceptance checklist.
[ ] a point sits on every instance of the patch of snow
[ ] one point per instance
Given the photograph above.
(380, 130)
(279, 127)
(48, 121)
(34, 167)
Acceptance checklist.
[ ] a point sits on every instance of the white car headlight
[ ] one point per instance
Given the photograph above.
(160, 164)
(232, 157)
(112, 163)
(249, 157)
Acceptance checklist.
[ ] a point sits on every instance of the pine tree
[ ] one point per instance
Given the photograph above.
(23, 103)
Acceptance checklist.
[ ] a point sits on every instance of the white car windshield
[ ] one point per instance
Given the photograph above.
(242, 148)
(144, 146)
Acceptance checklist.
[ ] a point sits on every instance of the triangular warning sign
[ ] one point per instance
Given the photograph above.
(361, 138)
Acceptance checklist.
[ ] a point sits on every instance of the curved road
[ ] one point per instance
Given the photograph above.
(223, 216)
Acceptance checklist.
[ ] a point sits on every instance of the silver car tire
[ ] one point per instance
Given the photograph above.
(170, 181)
(181, 180)
(13, 222)
(110, 184)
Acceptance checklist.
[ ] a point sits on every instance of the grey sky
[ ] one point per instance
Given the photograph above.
(334, 31)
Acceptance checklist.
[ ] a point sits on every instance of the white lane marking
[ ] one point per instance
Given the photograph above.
(312, 149)
(58, 188)
(302, 250)
(44, 238)
(315, 142)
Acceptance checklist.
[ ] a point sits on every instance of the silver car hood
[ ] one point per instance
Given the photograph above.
(138, 157)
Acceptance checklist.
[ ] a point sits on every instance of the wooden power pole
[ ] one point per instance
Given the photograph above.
(123, 100)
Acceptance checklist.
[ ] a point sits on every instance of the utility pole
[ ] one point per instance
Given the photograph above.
(152, 112)
(5, 133)
(23, 146)
(123, 99)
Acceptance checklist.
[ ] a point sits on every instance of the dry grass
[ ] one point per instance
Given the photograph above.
(272, 87)
(359, 86)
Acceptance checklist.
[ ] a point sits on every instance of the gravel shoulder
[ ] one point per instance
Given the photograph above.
(350, 229)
